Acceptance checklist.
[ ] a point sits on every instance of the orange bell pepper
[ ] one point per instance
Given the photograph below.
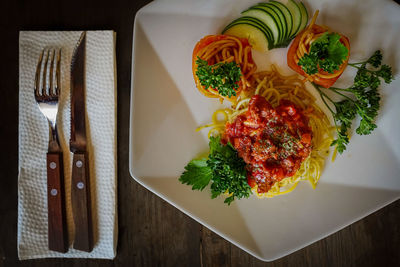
(205, 41)
(316, 29)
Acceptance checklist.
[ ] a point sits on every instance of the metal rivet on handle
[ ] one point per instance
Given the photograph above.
(53, 192)
(52, 165)
(80, 185)
(79, 164)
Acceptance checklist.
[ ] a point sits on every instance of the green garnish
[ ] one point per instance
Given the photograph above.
(224, 169)
(221, 76)
(361, 98)
(326, 53)
(197, 174)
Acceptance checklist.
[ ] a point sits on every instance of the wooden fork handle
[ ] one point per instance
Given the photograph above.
(81, 204)
(57, 226)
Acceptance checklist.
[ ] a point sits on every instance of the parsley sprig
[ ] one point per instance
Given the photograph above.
(326, 53)
(361, 98)
(224, 169)
(221, 76)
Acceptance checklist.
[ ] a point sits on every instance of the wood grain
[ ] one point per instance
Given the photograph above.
(57, 224)
(81, 202)
(151, 232)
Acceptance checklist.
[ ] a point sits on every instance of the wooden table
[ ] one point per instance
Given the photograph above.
(151, 232)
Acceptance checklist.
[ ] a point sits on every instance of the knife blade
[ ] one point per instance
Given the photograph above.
(80, 187)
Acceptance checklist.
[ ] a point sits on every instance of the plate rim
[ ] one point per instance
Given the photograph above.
(188, 213)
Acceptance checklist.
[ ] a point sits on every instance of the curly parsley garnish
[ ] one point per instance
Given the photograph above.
(224, 169)
(326, 53)
(221, 76)
(361, 98)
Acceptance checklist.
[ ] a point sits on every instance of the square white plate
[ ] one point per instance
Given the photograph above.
(166, 108)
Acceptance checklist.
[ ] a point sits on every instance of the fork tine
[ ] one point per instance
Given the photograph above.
(58, 81)
(44, 91)
(51, 93)
(37, 75)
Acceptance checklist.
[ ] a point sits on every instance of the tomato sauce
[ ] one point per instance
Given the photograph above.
(272, 141)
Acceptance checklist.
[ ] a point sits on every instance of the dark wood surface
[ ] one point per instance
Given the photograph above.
(151, 232)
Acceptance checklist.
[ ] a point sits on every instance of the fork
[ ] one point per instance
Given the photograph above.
(46, 96)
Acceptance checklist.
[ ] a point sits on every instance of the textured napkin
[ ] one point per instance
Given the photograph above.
(33, 140)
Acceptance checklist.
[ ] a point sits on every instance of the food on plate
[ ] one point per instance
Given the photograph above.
(277, 131)
(319, 54)
(274, 135)
(221, 65)
(272, 141)
(223, 168)
(362, 98)
(269, 25)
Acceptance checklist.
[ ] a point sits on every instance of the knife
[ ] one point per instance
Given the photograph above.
(80, 187)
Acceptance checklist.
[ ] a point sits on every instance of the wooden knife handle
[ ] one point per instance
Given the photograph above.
(81, 204)
(57, 228)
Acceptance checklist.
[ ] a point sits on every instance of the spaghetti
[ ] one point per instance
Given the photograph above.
(301, 46)
(275, 88)
(224, 49)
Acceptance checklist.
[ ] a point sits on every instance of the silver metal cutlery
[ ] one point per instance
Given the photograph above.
(47, 92)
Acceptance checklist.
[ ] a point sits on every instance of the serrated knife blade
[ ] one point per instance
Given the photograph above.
(78, 127)
(80, 178)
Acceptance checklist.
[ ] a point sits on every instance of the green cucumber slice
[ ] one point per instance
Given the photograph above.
(296, 16)
(280, 18)
(304, 16)
(259, 36)
(259, 24)
(268, 19)
(288, 17)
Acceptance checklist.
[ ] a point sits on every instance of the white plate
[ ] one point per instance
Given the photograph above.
(166, 108)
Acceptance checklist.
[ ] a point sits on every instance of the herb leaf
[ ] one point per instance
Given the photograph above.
(376, 59)
(309, 63)
(385, 73)
(361, 98)
(229, 171)
(345, 114)
(197, 174)
(224, 169)
(221, 76)
(326, 53)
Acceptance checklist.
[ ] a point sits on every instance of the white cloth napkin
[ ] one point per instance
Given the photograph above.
(33, 139)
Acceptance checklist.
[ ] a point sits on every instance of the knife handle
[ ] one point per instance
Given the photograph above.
(57, 226)
(81, 204)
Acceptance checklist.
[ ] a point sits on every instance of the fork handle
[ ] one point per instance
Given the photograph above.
(81, 204)
(57, 226)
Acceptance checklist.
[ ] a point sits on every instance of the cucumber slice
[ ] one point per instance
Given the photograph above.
(259, 24)
(268, 19)
(288, 17)
(256, 37)
(259, 36)
(270, 25)
(256, 23)
(280, 18)
(296, 16)
(304, 16)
